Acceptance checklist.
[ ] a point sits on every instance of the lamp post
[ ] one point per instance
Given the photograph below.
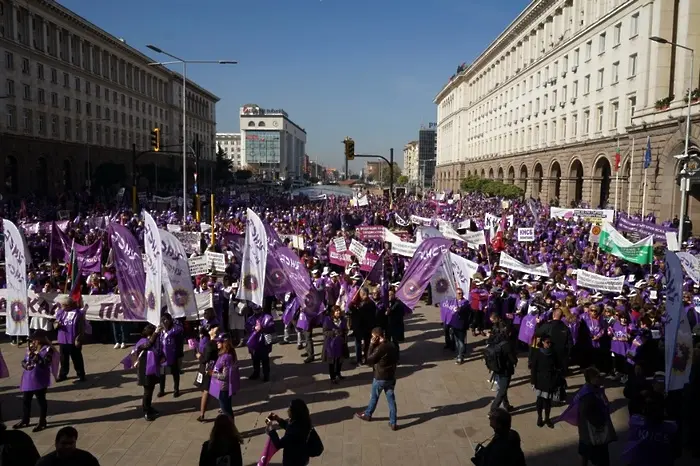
(184, 110)
(684, 179)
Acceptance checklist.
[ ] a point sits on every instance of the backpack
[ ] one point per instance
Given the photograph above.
(494, 357)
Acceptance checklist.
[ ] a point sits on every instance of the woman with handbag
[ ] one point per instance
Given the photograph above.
(207, 353)
(300, 441)
(545, 375)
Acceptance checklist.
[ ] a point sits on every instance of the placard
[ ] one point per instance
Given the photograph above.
(198, 265)
(190, 240)
(599, 282)
(216, 261)
(358, 249)
(526, 234)
(340, 244)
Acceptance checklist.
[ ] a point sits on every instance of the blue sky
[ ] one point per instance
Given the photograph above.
(368, 69)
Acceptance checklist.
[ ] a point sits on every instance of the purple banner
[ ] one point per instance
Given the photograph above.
(426, 260)
(643, 229)
(131, 277)
(89, 257)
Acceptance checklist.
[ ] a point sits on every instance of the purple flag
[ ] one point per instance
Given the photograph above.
(426, 260)
(89, 257)
(448, 308)
(378, 272)
(131, 276)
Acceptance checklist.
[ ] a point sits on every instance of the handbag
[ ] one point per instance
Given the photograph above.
(314, 445)
(268, 338)
(598, 435)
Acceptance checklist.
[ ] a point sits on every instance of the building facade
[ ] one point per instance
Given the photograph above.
(410, 162)
(550, 101)
(272, 145)
(78, 101)
(427, 156)
(230, 143)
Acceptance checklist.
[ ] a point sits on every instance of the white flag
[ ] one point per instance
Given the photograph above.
(16, 273)
(254, 265)
(179, 291)
(154, 268)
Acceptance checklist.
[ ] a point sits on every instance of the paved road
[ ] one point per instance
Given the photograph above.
(442, 409)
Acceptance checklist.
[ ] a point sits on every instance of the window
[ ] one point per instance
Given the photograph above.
(586, 84)
(586, 121)
(9, 60)
(25, 66)
(40, 71)
(78, 106)
(554, 97)
(546, 74)
(77, 84)
(539, 78)
(67, 129)
(98, 90)
(41, 96)
(66, 80)
(634, 25)
(27, 123)
(576, 57)
(565, 63)
(615, 72)
(631, 106)
(601, 43)
(88, 108)
(10, 87)
(11, 116)
(599, 118)
(42, 123)
(54, 125)
(563, 128)
(614, 111)
(617, 31)
(27, 91)
(537, 105)
(574, 89)
(54, 99)
(98, 111)
(633, 65)
(66, 103)
(87, 87)
(589, 49)
(563, 94)
(54, 76)
(601, 77)
(574, 124)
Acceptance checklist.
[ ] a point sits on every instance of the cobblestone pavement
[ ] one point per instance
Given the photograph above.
(442, 408)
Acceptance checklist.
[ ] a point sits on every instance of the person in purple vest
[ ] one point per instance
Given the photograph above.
(146, 354)
(335, 342)
(170, 337)
(39, 364)
(70, 322)
(225, 377)
(260, 326)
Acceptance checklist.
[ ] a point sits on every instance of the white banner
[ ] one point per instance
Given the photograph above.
(491, 220)
(599, 282)
(252, 283)
(16, 277)
(191, 240)
(400, 221)
(358, 249)
(340, 244)
(463, 270)
(691, 265)
(362, 200)
(594, 234)
(179, 291)
(97, 307)
(589, 215)
(508, 262)
(442, 283)
(216, 261)
(174, 228)
(672, 241)
(404, 248)
(198, 265)
(526, 234)
(421, 220)
(153, 265)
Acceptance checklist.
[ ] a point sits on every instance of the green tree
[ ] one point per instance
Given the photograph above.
(223, 169)
(243, 175)
(402, 180)
(491, 188)
(385, 173)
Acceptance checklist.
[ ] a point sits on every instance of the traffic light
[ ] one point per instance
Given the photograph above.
(155, 139)
(349, 148)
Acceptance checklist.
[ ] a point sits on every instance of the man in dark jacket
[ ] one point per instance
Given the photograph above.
(363, 312)
(561, 338)
(504, 449)
(383, 356)
(508, 361)
(67, 452)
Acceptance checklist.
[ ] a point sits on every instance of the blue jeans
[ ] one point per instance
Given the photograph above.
(225, 403)
(119, 332)
(459, 336)
(502, 393)
(388, 387)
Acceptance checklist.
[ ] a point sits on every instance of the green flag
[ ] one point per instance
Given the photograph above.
(612, 242)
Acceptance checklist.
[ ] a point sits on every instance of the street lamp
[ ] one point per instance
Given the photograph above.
(184, 110)
(684, 180)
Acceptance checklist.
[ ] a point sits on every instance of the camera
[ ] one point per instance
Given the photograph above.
(479, 453)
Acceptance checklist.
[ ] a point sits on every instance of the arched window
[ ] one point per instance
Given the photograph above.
(261, 124)
(251, 123)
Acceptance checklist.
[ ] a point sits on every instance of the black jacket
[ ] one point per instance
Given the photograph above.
(562, 340)
(510, 358)
(503, 450)
(544, 371)
(293, 443)
(17, 448)
(208, 457)
(362, 315)
(383, 357)
(396, 314)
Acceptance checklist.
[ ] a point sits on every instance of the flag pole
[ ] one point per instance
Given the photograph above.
(629, 182)
(617, 172)
(644, 195)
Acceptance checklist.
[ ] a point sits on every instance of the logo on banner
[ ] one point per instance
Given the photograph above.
(18, 311)
(135, 299)
(442, 285)
(180, 297)
(277, 277)
(595, 230)
(151, 300)
(413, 289)
(250, 282)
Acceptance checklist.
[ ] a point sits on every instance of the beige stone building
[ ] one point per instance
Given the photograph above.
(549, 102)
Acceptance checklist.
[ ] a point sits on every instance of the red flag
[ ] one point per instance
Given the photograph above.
(497, 242)
(618, 158)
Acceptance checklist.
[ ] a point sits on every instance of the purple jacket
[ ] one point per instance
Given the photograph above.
(168, 344)
(257, 342)
(38, 368)
(69, 324)
(225, 376)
